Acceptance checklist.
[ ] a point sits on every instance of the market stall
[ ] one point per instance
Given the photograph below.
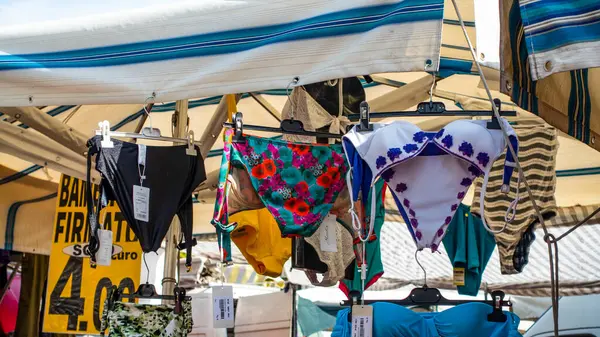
(185, 69)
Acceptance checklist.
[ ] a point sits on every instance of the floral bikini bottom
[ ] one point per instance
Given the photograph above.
(297, 183)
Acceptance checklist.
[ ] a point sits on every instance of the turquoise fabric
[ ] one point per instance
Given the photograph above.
(469, 245)
(465, 320)
(373, 255)
(313, 319)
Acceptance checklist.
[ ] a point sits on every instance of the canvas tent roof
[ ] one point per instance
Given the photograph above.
(30, 160)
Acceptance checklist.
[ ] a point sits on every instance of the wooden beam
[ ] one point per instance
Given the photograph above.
(215, 126)
(404, 97)
(50, 127)
(266, 105)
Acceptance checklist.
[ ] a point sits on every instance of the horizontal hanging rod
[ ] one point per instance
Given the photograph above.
(449, 113)
(290, 132)
(119, 134)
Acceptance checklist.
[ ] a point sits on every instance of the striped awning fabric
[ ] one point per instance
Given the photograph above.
(561, 35)
(196, 49)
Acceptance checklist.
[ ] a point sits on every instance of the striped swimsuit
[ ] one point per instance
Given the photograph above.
(538, 146)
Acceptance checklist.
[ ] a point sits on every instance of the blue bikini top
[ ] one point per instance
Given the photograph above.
(465, 320)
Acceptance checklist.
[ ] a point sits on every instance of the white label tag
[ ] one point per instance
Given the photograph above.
(141, 154)
(141, 202)
(362, 321)
(104, 255)
(222, 307)
(329, 234)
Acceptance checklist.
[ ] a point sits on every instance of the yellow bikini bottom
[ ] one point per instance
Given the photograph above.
(258, 237)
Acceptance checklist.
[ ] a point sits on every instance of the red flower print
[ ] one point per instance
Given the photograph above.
(299, 149)
(290, 204)
(325, 180)
(301, 208)
(259, 171)
(334, 173)
(302, 187)
(269, 167)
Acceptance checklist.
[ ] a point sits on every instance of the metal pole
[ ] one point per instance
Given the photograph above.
(180, 123)
(294, 329)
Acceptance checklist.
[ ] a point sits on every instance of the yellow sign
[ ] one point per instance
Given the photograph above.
(76, 292)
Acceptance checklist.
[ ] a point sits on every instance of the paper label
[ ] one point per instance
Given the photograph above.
(362, 321)
(223, 316)
(141, 154)
(104, 255)
(459, 276)
(141, 202)
(329, 234)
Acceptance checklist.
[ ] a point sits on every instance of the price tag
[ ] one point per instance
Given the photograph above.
(459, 276)
(223, 316)
(328, 235)
(141, 202)
(104, 255)
(362, 321)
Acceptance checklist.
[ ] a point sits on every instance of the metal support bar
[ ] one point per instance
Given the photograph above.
(266, 105)
(171, 239)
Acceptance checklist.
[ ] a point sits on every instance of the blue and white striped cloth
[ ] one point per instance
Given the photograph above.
(561, 35)
(213, 47)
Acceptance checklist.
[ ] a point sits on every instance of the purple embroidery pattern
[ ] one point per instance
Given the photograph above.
(419, 235)
(406, 203)
(447, 141)
(448, 219)
(400, 188)
(466, 182)
(466, 149)
(483, 158)
(394, 153)
(440, 232)
(419, 137)
(409, 148)
(454, 207)
(380, 162)
(411, 212)
(474, 171)
(414, 222)
(388, 174)
(460, 195)
(439, 134)
(434, 247)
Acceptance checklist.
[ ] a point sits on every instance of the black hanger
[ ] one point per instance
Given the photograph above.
(435, 109)
(288, 126)
(148, 291)
(432, 296)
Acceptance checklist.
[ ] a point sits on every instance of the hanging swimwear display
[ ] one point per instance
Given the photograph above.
(465, 320)
(373, 247)
(297, 183)
(428, 173)
(151, 184)
(142, 320)
(258, 238)
(538, 146)
(341, 254)
(469, 247)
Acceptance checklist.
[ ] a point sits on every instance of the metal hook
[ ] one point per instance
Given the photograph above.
(146, 110)
(147, 268)
(294, 81)
(422, 268)
(429, 64)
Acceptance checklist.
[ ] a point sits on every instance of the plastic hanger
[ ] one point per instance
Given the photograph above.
(432, 296)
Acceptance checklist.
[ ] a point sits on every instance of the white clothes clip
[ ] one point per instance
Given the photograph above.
(105, 132)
